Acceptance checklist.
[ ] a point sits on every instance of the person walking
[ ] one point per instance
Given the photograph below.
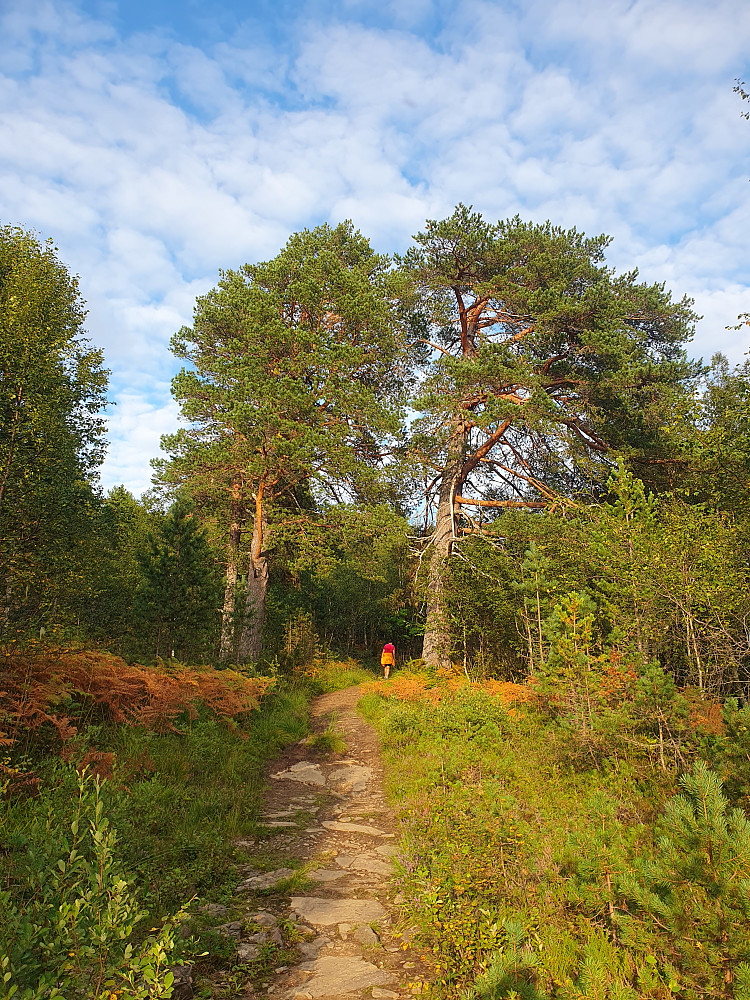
(388, 658)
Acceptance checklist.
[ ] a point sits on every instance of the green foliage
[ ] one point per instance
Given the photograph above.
(52, 388)
(292, 391)
(530, 879)
(177, 602)
(510, 969)
(538, 341)
(67, 922)
(192, 795)
(696, 889)
(330, 740)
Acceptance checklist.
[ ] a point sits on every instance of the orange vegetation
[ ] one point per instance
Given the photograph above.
(419, 687)
(60, 688)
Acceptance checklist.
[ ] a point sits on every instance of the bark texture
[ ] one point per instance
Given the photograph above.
(227, 650)
(436, 648)
(251, 638)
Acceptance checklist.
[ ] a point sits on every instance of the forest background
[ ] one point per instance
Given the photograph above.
(492, 451)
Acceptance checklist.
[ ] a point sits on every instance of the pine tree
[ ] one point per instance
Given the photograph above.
(696, 890)
(543, 363)
(293, 384)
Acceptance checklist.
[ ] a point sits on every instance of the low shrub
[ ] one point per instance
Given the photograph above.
(68, 911)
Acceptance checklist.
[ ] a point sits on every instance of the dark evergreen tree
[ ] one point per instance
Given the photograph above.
(178, 603)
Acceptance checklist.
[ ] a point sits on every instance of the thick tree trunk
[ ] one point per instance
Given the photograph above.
(436, 648)
(251, 639)
(227, 650)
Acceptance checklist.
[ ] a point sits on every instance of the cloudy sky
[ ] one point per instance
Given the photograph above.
(157, 141)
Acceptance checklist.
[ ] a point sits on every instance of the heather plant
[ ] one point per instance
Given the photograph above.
(511, 858)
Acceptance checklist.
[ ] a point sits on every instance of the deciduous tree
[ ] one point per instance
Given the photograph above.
(52, 391)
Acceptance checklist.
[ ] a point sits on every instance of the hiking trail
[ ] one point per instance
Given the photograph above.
(327, 810)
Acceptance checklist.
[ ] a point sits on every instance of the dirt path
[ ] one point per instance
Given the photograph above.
(327, 810)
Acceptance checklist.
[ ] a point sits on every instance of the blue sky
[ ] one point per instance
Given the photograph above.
(159, 141)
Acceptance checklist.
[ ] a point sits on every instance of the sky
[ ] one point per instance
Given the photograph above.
(159, 141)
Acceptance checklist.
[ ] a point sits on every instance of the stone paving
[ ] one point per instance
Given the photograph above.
(329, 812)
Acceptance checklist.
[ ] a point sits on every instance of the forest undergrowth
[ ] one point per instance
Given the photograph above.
(540, 860)
(125, 791)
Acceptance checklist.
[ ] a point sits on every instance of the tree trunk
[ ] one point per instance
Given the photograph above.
(227, 651)
(251, 640)
(436, 649)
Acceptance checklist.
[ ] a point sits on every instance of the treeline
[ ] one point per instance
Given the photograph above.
(457, 449)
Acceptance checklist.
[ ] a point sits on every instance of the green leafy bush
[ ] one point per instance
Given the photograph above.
(68, 916)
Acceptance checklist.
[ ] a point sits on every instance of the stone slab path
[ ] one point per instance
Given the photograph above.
(328, 812)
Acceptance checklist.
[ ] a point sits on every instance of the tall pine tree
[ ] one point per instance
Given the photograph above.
(292, 384)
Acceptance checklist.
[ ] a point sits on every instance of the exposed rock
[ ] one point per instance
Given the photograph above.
(379, 994)
(263, 918)
(371, 831)
(334, 976)
(310, 949)
(366, 935)
(352, 778)
(364, 863)
(344, 930)
(213, 910)
(326, 875)
(231, 929)
(182, 988)
(275, 936)
(326, 912)
(306, 772)
(266, 880)
(247, 952)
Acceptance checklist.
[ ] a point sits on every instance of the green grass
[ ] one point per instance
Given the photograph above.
(335, 675)
(330, 740)
(511, 855)
(196, 794)
(179, 803)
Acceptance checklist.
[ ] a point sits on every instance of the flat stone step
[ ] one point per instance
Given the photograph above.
(306, 772)
(370, 831)
(363, 863)
(326, 912)
(333, 976)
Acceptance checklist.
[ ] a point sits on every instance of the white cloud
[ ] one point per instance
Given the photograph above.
(136, 424)
(153, 162)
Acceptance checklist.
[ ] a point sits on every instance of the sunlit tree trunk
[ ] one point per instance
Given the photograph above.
(436, 649)
(227, 647)
(251, 639)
